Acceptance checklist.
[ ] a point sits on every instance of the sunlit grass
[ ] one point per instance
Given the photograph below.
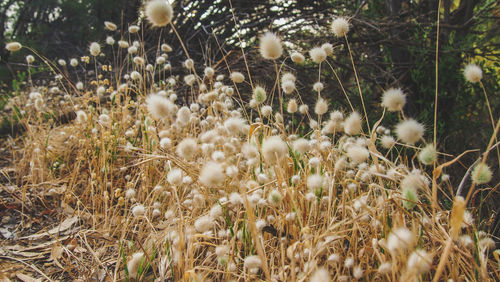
(223, 186)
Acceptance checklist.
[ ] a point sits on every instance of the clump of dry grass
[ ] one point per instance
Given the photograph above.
(224, 188)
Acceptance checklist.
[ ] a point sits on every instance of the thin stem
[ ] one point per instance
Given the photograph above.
(434, 188)
(491, 118)
(483, 161)
(436, 77)
(241, 45)
(357, 82)
(280, 95)
(341, 86)
(185, 50)
(241, 102)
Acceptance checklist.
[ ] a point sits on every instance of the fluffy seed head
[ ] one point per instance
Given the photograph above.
(79, 85)
(221, 250)
(270, 46)
(183, 115)
(189, 79)
(138, 60)
(465, 241)
(337, 116)
(250, 151)
(159, 107)
(237, 77)
(13, 46)
(266, 110)
(95, 49)
(393, 99)
(314, 182)
(486, 243)
(212, 174)
(235, 125)
(252, 262)
(105, 120)
(35, 95)
(292, 106)
(318, 86)
(328, 48)
(259, 94)
(274, 149)
(110, 26)
(135, 75)
(133, 29)
(473, 73)
(357, 154)
(410, 197)
(189, 63)
(340, 27)
(138, 210)
(166, 48)
(81, 117)
(413, 181)
(419, 262)
(123, 44)
(288, 86)
(30, 59)
(410, 131)
(301, 145)
(216, 211)
(100, 90)
(481, 174)
(39, 104)
(353, 124)
(297, 57)
(317, 54)
(132, 50)
(174, 176)
(427, 155)
(288, 76)
(303, 109)
(385, 268)
(134, 263)
(400, 240)
(187, 148)
(387, 141)
(165, 143)
(160, 60)
(357, 272)
(321, 106)
(275, 197)
(320, 275)
(349, 262)
(203, 224)
(159, 12)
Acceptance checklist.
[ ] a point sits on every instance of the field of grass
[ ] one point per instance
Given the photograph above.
(125, 172)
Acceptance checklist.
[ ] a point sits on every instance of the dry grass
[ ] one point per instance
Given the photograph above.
(72, 193)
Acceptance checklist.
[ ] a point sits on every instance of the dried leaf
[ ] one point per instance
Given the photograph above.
(56, 253)
(253, 128)
(65, 225)
(3, 276)
(67, 208)
(6, 233)
(44, 245)
(457, 216)
(26, 278)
